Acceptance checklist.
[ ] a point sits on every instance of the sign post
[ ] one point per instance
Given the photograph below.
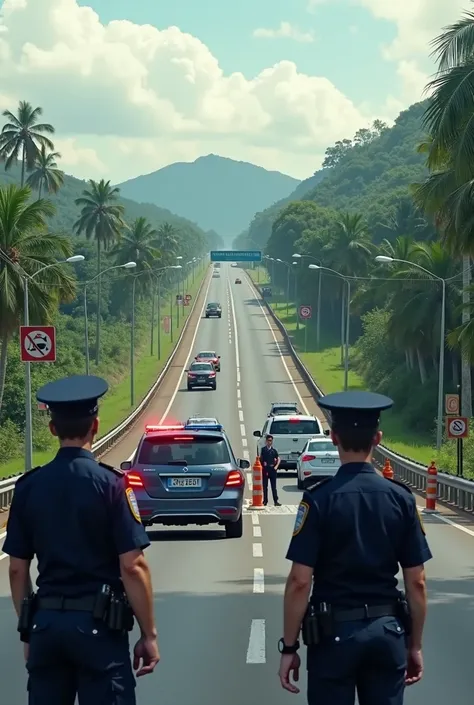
(236, 256)
(452, 409)
(305, 313)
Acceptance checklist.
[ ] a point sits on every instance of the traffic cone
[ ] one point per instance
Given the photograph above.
(257, 492)
(431, 489)
(387, 471)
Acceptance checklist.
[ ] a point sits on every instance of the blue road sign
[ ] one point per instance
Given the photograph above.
(236, 256)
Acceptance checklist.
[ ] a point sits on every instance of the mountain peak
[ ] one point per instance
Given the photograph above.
(217, 193)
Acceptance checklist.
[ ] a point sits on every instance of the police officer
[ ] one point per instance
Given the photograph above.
(270, 462)
(352, 532)
(78, 517)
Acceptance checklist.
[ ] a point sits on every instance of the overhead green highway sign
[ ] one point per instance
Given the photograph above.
(236, 256)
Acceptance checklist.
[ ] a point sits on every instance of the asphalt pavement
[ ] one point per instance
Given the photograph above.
(219, 602)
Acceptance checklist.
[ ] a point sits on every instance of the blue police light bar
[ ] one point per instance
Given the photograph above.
(203, 427)
(236, 256)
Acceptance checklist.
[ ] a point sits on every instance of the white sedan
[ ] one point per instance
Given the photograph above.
(318, 459)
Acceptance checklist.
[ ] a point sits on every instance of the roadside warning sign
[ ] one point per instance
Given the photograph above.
(305, 312)
(457, 427)
(38, 343)
(451, 404)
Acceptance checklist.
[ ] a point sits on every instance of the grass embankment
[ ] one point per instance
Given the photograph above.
(328, 372)
(116, 404)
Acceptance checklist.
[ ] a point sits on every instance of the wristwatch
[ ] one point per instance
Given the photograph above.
(284, 649)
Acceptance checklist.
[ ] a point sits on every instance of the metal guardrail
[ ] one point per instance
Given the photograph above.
(106, 442)
(452, 490)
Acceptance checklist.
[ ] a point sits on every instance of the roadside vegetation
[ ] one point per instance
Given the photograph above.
(404, 193)
(105, 234)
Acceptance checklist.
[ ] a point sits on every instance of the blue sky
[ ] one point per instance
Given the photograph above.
(346, 50)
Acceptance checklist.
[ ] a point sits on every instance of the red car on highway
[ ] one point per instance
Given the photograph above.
(209, 356)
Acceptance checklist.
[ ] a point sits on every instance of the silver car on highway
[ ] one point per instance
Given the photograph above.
(188, 474)
(319, 459)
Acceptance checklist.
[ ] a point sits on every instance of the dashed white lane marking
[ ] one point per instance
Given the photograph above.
(258, 580)
(238, 394)
(257, 550)
(255, 519)
(244, 442)
(241, 415)
(256, 647)
(246, 455)
(243, 432)
(257, 532)
(250, 481)
(285, 509)
(239, 403)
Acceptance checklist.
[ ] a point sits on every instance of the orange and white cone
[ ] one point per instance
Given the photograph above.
(387, 471)
(431, 489)
(257, 491)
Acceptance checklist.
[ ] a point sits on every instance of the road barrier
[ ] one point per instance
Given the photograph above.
(106, 442)
(257, 486)
(431, 489)
(451, 490)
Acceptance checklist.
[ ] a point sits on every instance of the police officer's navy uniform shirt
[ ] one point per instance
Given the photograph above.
(355, 530)
(268, 456)
(74, 515)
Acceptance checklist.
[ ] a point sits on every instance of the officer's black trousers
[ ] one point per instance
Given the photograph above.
(270, 475)
(71, 654)
(367, 656)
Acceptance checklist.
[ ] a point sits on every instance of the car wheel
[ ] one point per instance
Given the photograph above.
(214, 387)
(234, 529)
(190, 389)
(300, 484)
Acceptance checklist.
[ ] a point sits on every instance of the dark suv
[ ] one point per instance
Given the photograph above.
(213, 310)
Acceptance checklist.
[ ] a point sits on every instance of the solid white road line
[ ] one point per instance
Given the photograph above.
(257, 550)
(257, 532)
(303, 405)
(258, 580)
(256, 647)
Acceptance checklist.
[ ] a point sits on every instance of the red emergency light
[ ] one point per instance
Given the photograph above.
(152, 427)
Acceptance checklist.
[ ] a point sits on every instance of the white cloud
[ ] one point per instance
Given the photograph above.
(126, 99)
(284, 31)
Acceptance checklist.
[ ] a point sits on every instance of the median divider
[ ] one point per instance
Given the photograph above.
(452, 490)
(104, 444)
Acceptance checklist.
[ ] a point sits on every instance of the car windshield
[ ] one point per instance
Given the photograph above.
(297, 427)
(207, 354)
(212, 305)
(202, 422)
(323, 447)
(194, 451)
(284, 409)
(201, 366)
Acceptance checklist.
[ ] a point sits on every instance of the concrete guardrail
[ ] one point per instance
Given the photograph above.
(452, 490)
(106, 442)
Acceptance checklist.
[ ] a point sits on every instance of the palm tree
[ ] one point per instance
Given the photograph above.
(350, 247)
(139, 244)
(101, 219)
(45, 174)
(22, 137)
(25, 247)
(167, 240)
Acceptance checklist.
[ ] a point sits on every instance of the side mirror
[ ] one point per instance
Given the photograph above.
(327, 432)
(244, 464)
(257, 434)
(126, 465)
(218, 357)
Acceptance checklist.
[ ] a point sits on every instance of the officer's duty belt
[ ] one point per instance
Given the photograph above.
(73, 604)
(366, 612)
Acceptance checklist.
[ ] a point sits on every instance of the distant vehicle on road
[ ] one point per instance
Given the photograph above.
(283, 407)
(290, 435)
(202, 374)
(210, 356)
(216, 274)
(238, 281)
(213, 309)
(266, 292)
(202, 421)
(319, 459)
(184, 475)
(234, 264)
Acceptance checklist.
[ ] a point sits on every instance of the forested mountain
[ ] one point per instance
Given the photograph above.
(205, 191)
(67, 211)
(369, 174)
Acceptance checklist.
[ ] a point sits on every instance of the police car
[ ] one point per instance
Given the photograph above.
(202, 421)
(187, 474)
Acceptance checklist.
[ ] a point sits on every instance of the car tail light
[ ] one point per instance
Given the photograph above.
(307, 458)
(294, 420)
(191, 375)
(306, 473)
(212, 374)
(133, 479)
(235, 479)
(183, 438)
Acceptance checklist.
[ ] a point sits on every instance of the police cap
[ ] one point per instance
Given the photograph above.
(355, 409)
(75, 396)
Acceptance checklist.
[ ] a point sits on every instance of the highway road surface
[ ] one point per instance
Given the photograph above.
(218, 601)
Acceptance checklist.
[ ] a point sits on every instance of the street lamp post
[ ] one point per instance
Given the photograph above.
(178, 259)
(28, 410)
(318, 307)
(288, 266)
(439, 422)
(127, 265)
(344, 343)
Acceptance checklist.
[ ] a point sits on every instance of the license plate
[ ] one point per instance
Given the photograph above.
(295, 453)
(201, 379)
(184, 482)
(328, 461)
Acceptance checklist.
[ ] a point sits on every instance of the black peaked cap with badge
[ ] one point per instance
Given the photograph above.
(76, 396)
(355, 409)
